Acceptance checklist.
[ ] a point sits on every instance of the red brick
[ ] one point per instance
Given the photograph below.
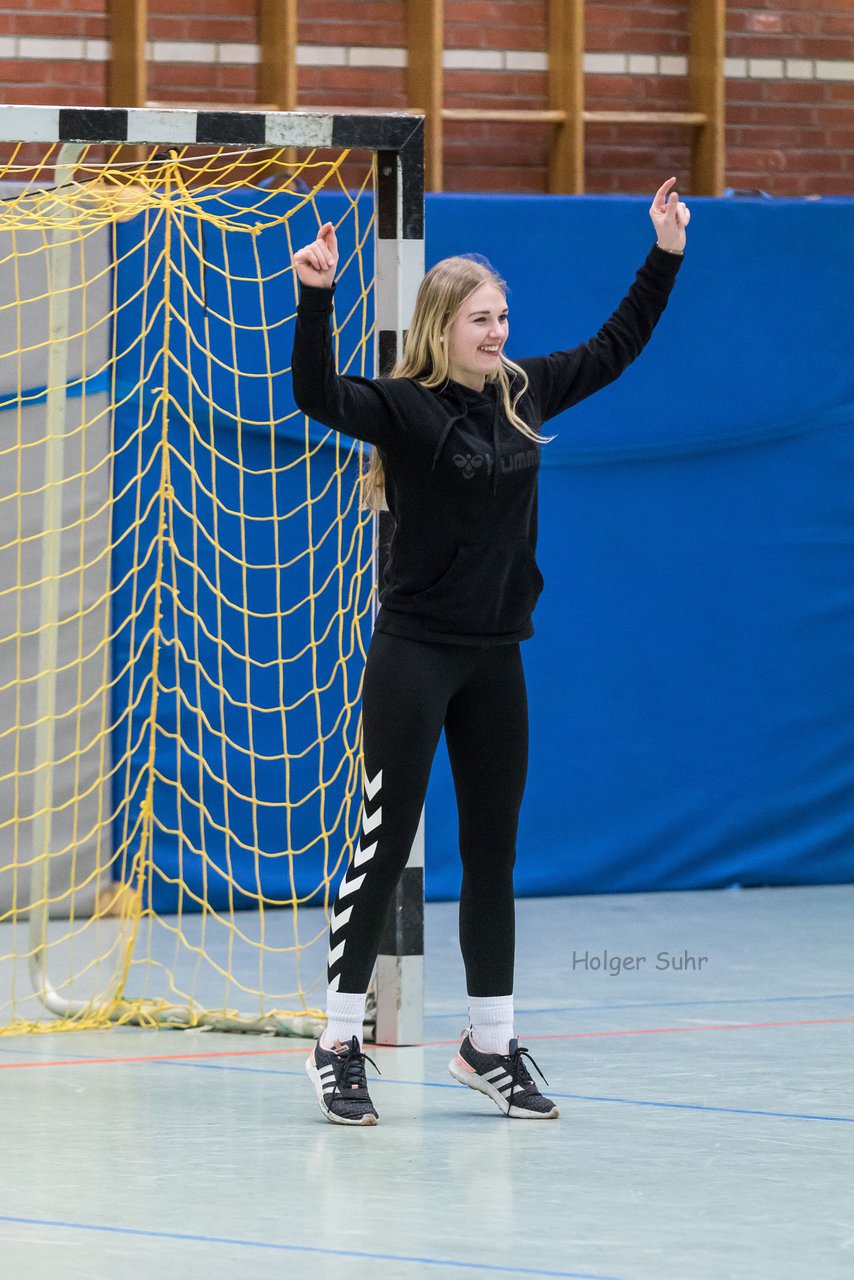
(752, 46)
(331, 99)
(742, 91)
(842, 25)
(783, 25)
(505, 87)
(485, 11)
(239, 30)
(788, 139)
(523, 139)
(826, 47)
(190, 73)
(481, 178)
(354, 79)
(631, 19)
(757, 160)
(75, 6)
(737, 113)
(498, 152)
(201, 9)
(371, 10)
(609, 88)
(829, 186)
(69, 73)
(791, 91)
(348, 33)
(492, 37)
(605, 40)
(841, 138)
(168, 28)
(28, 95)
(816, 161)
(238, 77)
(673, 94)
(68, 25)
(20, 71)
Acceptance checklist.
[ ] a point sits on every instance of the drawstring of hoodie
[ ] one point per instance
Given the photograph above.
(496, 446)
(496, 442)
(446, 431)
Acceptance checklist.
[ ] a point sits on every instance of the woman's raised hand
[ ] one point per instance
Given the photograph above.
(669, 216)
(317, 262)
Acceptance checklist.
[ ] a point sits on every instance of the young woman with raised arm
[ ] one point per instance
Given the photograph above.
(456, 430)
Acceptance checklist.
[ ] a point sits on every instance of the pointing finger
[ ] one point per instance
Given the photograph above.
(661, 193)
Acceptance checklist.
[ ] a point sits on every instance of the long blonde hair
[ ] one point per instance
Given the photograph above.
(441, 293)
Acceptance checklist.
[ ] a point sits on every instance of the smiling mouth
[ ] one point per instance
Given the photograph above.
(489, 351)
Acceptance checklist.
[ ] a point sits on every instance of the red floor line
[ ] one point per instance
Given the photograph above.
(155, 1057)
(567, 1035)
(661, 1031)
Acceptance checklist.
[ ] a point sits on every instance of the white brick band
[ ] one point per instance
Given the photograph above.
(64, 49)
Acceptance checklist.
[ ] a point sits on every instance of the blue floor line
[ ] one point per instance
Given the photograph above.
(661, 1004)
(413, 1260)
(573, 1097)
(438, 1084)
(695, 1106)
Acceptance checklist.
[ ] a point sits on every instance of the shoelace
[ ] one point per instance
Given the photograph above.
(352, 1074)
(519, 1072)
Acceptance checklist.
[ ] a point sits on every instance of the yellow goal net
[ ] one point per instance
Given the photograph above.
(186, 578)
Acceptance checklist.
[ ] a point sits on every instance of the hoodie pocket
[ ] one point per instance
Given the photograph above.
(490, 588)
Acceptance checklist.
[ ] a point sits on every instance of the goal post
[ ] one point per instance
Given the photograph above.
(120, 871)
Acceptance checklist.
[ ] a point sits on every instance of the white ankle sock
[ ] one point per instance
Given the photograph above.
(345, 1012)
(491, 1020)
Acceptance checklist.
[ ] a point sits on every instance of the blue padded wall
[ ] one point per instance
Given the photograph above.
(691, 680)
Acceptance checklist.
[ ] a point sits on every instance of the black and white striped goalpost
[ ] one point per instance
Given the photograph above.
(398, 140)
(399, 270)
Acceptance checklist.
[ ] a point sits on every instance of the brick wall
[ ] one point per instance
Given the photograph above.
(789, 85)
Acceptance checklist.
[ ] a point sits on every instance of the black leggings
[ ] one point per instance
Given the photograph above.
(411, 690)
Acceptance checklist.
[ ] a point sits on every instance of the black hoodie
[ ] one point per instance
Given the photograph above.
(461, 481)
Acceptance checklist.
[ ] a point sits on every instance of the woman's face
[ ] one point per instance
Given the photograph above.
(476, 336)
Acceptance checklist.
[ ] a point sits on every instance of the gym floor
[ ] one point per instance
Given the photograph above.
(706, 1128)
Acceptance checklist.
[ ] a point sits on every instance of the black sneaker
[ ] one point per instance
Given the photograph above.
(504, 1078)
(339, 1080)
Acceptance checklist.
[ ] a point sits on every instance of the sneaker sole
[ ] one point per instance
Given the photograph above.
(474, 1081)
(314, 1076)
